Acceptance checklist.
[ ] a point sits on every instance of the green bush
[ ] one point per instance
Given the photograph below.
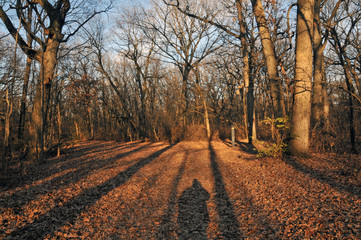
(277, 149)
(274, 150)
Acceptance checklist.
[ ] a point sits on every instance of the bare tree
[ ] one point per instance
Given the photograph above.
(342, 38)
(56, 26)
(184, 42)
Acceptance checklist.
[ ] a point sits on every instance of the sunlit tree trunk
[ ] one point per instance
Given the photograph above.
(301, 116)
(271, 59)
(248, 80)
(318, 67)
(41, 101)
(58, 114)
(320, 112)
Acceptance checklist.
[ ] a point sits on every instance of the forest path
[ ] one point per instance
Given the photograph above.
(190, 190)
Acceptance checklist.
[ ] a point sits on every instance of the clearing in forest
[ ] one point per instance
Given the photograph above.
(190, 190)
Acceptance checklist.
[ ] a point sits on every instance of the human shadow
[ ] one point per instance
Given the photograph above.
(62, 214)
(193, 216)
(229, 225)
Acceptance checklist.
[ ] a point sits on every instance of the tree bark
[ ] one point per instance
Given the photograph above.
(248, 80)
(24, 94)
(271, 59)
(301, 117)
(41, 101)
(319, 96)
(25, 86)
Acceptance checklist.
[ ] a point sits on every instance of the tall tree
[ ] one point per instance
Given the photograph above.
(241, 34)
(51, 19)
(184, 42)
(342, 38)
(271, 59)
(301, 111)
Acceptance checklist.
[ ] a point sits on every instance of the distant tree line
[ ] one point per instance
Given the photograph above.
(281, 71)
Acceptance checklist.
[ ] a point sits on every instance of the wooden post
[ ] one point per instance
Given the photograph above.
(233, 136)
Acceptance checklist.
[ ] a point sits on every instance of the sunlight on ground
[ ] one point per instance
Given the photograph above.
(199, 190)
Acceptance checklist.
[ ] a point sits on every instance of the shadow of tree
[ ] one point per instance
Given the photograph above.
(84, 168)
(193, 216)
(229, 225)
(166, 224)
(60, 215)
(324, 177)
(54, 165)
(245, 147)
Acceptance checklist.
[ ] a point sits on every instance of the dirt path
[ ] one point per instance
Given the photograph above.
(191, 190)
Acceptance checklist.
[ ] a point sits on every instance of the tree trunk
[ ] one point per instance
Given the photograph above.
(6, 141)
(319, 81)
(248, 80)
(25, 86)
(271, 60)
(350, 88)
(301, 117)
(24, 94)
(41, 101)
(206, 118)
(185, 104)
(142, 119)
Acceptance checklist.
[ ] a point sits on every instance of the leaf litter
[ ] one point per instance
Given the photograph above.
(190, 190)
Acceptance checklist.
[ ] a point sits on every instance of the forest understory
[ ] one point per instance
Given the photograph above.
(189, 190)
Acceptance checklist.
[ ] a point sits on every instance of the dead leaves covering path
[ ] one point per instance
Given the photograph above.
(191, 190)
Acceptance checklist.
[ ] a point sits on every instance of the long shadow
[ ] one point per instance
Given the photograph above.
(166, 224)
(20, 198)
(245, 147)
(193, 216)
(81, 153)
(322, 177)
(22, 180)
(229, 225)
(67, 213)
(78, 153)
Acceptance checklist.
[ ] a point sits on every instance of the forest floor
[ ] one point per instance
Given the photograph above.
(190, 190)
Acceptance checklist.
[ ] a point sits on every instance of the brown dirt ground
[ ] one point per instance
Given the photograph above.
(190, 190)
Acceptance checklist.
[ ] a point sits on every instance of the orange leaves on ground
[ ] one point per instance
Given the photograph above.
(109, 190)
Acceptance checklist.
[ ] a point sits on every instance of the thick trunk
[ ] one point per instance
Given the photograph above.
(301, 116)
(41, 101)
(271, 60)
